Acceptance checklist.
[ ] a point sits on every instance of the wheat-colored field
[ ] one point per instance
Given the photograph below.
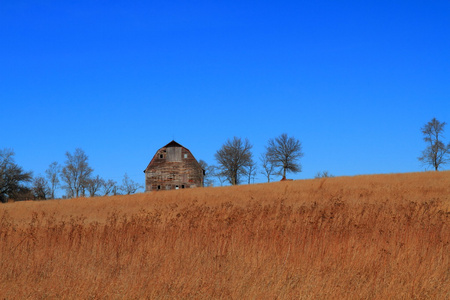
(363, 237)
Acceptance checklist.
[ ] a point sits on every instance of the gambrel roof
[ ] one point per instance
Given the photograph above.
(172, 144)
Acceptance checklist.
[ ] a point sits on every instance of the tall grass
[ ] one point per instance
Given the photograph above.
(366, 237)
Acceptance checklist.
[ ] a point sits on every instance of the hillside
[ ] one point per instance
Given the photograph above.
(374, 237)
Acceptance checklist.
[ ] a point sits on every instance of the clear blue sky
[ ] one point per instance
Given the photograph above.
(354, 81)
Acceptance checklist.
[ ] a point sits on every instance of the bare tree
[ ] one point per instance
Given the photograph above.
(324, 174)
(108, 187)
(284, 152)
(53, 171)
(215, 171)
(436, 153)
(94, 184)
(129, 186)
(221, 178)
(268, 169)
(208, 173)
(251, 171)
(40, 188)
(116, 190)
(234, 158)
(75, 173)
(13, 179)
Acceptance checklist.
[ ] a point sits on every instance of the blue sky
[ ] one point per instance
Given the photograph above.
(354, 81)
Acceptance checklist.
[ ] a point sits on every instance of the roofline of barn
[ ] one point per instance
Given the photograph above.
(172, 144)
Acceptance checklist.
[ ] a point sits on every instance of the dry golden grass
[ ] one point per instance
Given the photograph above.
(364, 237)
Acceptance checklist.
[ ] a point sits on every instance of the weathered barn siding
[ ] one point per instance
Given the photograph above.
(173, 167)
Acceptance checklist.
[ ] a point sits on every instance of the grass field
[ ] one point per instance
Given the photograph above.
(363, 237)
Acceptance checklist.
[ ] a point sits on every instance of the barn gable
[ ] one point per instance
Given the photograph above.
(173, 167)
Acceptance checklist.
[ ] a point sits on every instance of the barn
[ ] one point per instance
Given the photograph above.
(173, 167)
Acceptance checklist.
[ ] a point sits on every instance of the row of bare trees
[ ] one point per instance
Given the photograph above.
(79, 181)
(236, 164)
(75, 177)
(235, 161)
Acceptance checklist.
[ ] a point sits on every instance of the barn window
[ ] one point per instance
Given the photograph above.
(161, 156)
(185, 155)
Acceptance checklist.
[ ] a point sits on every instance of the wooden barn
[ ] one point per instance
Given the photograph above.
(173, 167)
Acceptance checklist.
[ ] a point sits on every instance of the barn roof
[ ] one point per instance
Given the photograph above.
(173, 144)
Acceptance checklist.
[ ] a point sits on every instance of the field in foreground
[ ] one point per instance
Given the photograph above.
(364, 237)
